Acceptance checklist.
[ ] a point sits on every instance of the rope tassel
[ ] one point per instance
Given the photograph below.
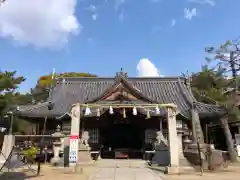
(124, 113)
(98, 112)
(148, 114)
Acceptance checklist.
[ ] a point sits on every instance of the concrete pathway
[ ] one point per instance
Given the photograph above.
(123, 170)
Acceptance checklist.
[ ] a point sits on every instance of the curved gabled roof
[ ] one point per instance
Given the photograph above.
(165, 90)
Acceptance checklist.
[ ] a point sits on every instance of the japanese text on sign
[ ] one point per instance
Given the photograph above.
(73, 150)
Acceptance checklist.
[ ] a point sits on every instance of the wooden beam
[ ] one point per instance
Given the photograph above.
(169, 105)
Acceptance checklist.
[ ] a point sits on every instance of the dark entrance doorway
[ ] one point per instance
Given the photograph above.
(122, 138)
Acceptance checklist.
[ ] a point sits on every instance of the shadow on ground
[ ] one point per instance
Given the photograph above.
(16, 176)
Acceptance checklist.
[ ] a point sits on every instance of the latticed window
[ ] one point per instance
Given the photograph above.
(94, 136)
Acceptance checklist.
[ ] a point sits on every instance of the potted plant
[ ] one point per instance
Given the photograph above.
(30, 154)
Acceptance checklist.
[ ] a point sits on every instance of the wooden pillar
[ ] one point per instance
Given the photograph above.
(172, 142)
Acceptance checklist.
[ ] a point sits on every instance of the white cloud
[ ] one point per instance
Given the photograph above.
(90, 40)
(209, 2)
(189, 13)
(42, 23)
(155, 1)
(146, 68)
(121, 16)
(94, 17)
(156, 29)
(173, 23)
(118, 4)
(91, 8)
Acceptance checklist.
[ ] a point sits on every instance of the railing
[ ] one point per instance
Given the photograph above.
(25, 141)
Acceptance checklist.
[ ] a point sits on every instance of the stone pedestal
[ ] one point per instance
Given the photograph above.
(182, 159)
(84, 156)
(56, 151)
(192, 153)
(161, 156)
(172, 170)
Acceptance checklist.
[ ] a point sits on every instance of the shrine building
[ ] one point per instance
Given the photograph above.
(124, 115)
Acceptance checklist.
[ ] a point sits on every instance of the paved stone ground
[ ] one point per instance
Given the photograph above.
(118, 170)
(124, 173)
(123, 170)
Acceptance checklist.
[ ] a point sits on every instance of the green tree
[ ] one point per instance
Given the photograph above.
(208, 85)
(9, 96)
(227, 57)
(44, 83)
(9, 82)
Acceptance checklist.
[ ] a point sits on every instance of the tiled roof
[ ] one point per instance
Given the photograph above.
(69, 91)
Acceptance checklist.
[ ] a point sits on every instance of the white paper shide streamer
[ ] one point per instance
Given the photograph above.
(111, 110)
(134, 111)
(87, 111)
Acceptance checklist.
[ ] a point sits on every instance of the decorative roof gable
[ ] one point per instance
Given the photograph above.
(122, 88)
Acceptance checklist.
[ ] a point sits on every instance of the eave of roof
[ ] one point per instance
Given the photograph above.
(162, 89)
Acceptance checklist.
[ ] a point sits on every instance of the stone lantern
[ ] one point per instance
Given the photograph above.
(183, 133)
(57, 145)
(186, 135)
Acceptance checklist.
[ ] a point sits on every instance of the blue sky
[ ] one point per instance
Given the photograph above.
(103, 36)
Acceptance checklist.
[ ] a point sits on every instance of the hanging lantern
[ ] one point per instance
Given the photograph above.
(111, 110)
(98, 112)
(124, 113)
(157, 110)
(148, 114)
(87, 111)
(134, 111)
